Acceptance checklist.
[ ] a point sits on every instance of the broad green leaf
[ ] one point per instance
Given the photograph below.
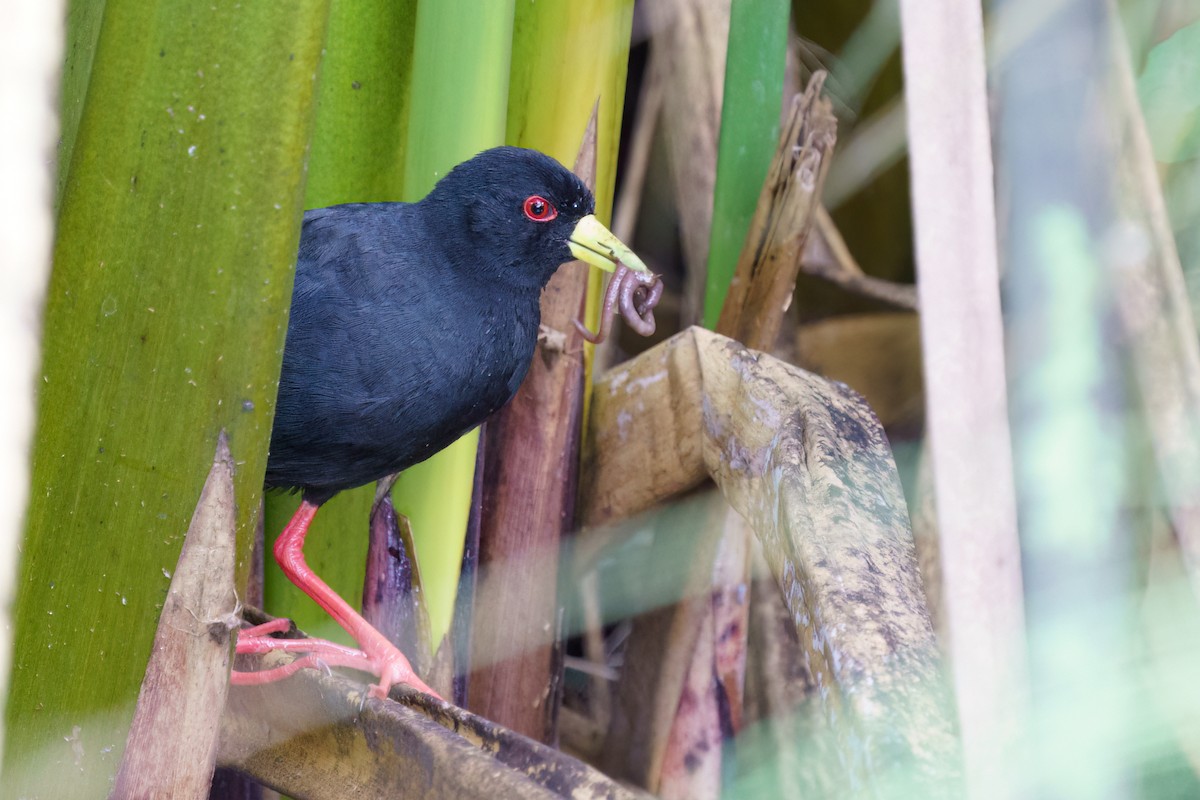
(1169, 89)
(362, 103)
(459, 87)
(164, 324)
(753, 95)
(566, 56)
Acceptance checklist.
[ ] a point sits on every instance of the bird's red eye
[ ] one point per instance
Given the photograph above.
(538, 209)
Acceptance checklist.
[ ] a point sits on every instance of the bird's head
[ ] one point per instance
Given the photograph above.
(523, 214)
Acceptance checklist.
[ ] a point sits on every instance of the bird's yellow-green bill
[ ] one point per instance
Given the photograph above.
(596, 244)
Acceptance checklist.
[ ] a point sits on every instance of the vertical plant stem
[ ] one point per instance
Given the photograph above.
(172, 746)
(568, 68)
(764, 281)
(566, 57)
(753, 94)
(691, 36)
(529, 484)
(963, 347)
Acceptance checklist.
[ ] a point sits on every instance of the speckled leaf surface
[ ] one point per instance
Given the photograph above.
(164, 325)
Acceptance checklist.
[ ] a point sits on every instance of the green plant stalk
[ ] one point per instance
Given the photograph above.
(1170, 97)
(357, 155)
(753, 97)
(458, 102)
(164, 325)
(459, 87)
(566, 56)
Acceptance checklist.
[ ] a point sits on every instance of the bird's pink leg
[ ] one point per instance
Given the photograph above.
(378, 656)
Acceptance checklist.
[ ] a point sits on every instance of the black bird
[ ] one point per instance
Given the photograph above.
(410, 324)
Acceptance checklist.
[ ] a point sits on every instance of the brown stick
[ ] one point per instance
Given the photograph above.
(391, 598)
(321, 737)
(805, 462)
(662, 645)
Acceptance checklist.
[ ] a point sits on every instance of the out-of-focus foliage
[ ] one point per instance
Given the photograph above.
(1169, 89)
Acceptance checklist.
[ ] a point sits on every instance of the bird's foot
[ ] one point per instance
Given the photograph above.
(316, 653)
(392, 667)
(386, 662)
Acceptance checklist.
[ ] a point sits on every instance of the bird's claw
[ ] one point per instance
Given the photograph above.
(392, 668)
(385, 662)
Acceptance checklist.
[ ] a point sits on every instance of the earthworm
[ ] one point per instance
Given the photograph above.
(634, 294)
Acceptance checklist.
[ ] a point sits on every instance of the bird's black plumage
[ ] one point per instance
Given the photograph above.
(411, 323)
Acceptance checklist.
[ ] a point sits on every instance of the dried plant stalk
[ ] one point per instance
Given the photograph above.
(807, 464)
(321, 738)
(172, 742)
(963, 345)
(765, 278)
(528, 503)
(691, 37)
